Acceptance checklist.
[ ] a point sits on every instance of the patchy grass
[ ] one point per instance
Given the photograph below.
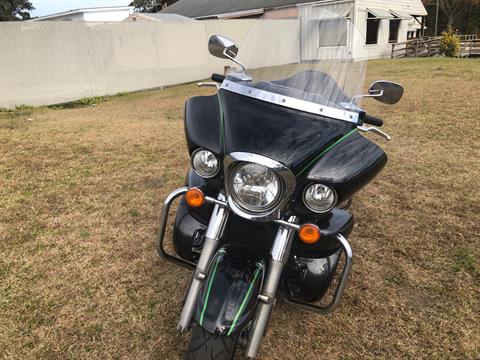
(81, 190)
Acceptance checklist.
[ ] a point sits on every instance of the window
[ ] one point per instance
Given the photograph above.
(333, 32)
(394, 29)
(373, 25)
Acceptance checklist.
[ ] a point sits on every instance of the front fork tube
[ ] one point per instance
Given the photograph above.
(215, 229)
(279, 257)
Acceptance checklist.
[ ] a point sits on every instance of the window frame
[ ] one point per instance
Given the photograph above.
(347, 20)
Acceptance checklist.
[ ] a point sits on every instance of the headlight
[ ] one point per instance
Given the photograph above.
(255, 187)
(319, 198)
(205, 163)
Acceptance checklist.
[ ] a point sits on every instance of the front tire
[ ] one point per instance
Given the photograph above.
(206, 346)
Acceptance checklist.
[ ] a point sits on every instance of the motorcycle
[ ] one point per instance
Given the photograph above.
(264, 212)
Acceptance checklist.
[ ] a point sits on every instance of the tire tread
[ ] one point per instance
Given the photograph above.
(206, 346)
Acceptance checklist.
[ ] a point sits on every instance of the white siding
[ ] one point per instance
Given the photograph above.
(413, 7)
(310, 31)
(383, 48)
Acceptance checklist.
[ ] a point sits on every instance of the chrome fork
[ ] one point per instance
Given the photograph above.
(279, 256)
(215, 229)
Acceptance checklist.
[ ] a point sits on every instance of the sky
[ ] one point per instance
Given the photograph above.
(46, 7)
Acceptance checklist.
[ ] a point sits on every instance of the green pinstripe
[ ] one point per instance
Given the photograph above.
(326, 150)
(210, 282)
(245, 300)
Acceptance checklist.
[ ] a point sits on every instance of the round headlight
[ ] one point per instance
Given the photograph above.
(255, 187)
(319, 198)
(205, 163)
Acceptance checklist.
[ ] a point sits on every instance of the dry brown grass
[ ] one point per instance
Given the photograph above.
(79, 200)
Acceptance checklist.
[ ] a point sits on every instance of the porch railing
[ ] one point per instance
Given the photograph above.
(426, 47)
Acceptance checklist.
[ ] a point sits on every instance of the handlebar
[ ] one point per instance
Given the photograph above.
(218, 78)
(372, 120)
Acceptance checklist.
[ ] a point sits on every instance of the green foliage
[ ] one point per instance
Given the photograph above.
(151, 6)
(15, 10)
(450, 43)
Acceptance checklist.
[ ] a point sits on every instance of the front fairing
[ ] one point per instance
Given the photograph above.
(288, 136)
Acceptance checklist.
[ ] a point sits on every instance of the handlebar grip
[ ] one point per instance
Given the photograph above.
(372, 120)
(218, 78)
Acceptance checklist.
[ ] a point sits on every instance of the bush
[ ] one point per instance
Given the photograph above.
(450, 43)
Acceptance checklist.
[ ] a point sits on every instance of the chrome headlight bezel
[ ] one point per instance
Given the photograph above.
(316, 210)
(199, 173)
(285, 176)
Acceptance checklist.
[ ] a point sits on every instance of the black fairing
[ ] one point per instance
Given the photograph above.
(349, 166)
(203, 121)
(288, 136)
(229, 293)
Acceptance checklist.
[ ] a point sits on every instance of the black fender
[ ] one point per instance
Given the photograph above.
(228, 296)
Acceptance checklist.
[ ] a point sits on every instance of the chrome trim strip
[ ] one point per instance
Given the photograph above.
(285, 175)
(290, 102)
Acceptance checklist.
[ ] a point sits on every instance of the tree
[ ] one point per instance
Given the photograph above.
(150, 6)
(14, 10)
(455, 9)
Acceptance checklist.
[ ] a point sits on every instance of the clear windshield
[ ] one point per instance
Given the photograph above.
(309, 57)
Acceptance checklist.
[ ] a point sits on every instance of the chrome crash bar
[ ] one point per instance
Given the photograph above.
(342, 282)
(221, 202)
(279, 254)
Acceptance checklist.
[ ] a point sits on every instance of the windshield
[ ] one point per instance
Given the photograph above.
(311, 57)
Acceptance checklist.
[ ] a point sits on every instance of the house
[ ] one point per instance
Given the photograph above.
(340, 29)
(154, 17)
(113, 13)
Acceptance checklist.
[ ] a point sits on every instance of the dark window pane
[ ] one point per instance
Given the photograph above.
(372, 31)
(394, 27)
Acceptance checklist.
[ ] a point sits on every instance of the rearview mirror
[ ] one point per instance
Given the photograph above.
(222, 47)
(386, 92)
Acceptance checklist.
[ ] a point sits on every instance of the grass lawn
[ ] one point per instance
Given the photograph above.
(81, 190)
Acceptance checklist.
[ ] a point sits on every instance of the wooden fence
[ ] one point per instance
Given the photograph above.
(425, 47)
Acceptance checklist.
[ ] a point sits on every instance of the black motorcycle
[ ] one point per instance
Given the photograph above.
(274, 165)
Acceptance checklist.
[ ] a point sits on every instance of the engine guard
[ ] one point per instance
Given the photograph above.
(228, 297)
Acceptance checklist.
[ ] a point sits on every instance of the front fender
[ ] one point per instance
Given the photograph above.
(229, 293)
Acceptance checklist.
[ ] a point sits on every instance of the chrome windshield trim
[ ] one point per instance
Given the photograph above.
(290, 102)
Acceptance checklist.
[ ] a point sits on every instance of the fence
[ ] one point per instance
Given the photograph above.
(469, 46)
(54, 62)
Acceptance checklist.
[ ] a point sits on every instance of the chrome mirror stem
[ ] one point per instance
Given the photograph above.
(228, 56)
(375, 94)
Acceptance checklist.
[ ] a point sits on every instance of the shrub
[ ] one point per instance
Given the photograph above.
(450, 43)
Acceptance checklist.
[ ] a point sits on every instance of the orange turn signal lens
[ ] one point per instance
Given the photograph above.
(309, 233)
(194, 197)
